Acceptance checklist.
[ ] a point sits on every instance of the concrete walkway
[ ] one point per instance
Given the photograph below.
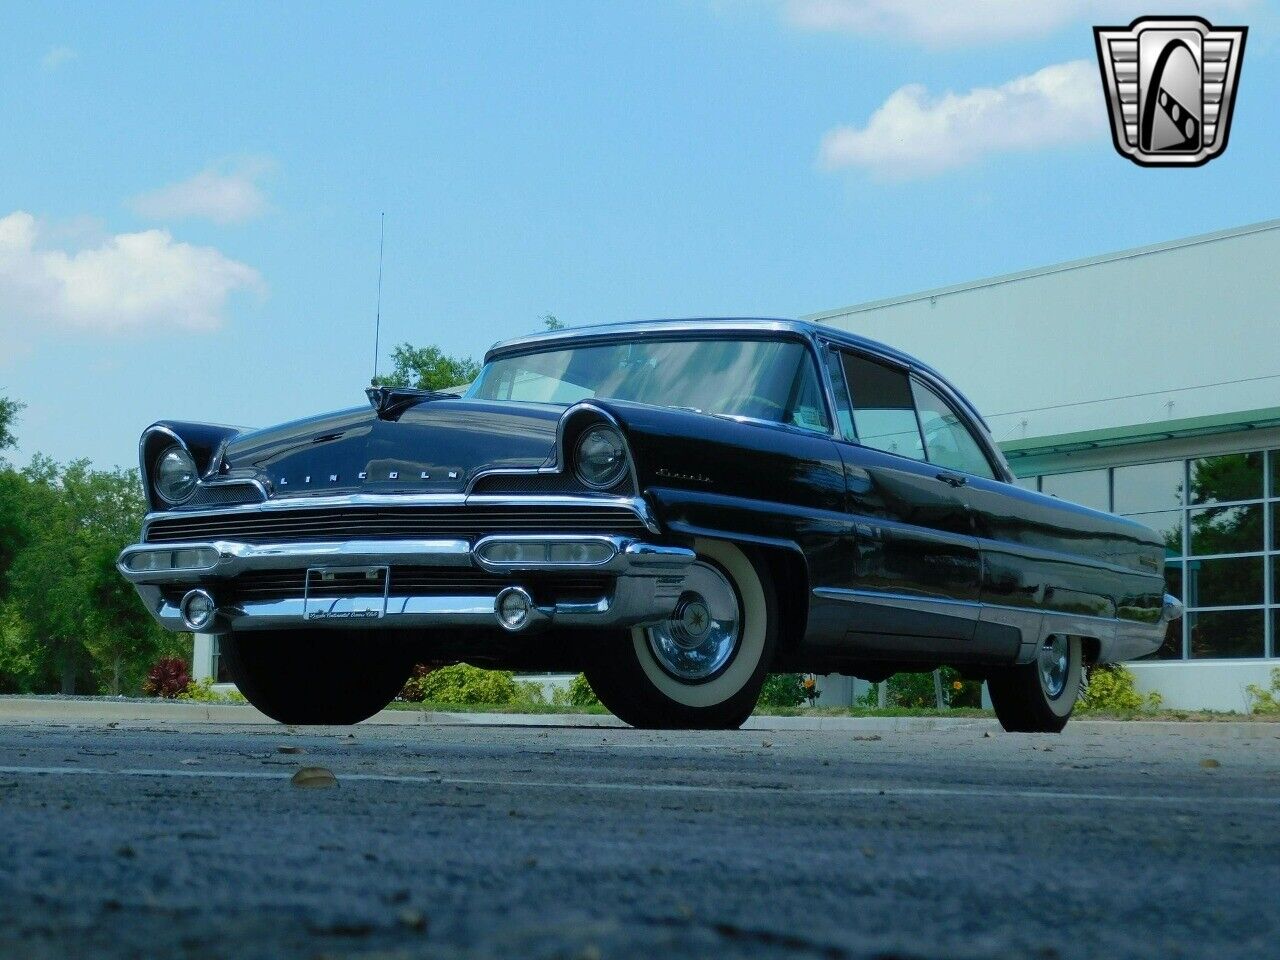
(99, 710)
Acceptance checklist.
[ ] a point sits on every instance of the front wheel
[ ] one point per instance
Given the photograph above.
(1038, 697)
(704, 667)
(316, 676)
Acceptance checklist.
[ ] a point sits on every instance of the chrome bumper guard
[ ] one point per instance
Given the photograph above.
(648, 581)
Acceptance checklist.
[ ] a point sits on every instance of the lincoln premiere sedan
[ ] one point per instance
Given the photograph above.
(676, 508)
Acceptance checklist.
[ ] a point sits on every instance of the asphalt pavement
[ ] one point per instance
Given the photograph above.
(174, 838)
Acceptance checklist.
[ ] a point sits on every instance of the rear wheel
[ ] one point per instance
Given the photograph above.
(316, 676)
(1038, 697)
(705, 666)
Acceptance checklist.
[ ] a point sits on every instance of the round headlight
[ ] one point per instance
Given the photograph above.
(175, 475)
(602, 457)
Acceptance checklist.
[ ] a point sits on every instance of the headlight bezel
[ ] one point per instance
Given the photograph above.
(617, 471)
(158, 471)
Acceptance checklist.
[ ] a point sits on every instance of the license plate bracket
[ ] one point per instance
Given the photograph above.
(346, 593)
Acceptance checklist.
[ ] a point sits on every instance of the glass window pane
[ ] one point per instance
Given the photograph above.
(1274, 457)
(1027, 483)
(1226, 633)
(772, 380)
(1088, 488)
(1235, 582)
(1225, 530)
(844, 416)
(947, 440)
(1147, 487)
(884, 410)
(1168, 524)
(1234, 476)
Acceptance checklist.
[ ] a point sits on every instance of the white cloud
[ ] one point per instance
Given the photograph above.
(56, 57)
(226, 194)
(126, 281)
(939, 23)
(912, 134)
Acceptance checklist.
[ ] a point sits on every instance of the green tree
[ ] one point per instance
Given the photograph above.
(552, 322)
(428, 368)
(9, 410)
(68, 614)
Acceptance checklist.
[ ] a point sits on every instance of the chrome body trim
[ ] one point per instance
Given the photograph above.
(1119, 638)
(143, 473)
(648, 582)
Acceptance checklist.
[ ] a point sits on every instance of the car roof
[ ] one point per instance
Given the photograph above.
(569, 336)
(669, 325)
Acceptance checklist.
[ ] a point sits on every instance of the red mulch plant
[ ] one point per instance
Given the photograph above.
(168, 678)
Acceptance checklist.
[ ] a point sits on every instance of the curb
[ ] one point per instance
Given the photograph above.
(60, 711)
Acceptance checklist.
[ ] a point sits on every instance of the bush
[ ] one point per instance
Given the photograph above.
(915, 690)
(203, 692)
(1110, 687)
(464, 684)
(782, 690)
(412, 691)
(1262, 699)
(578, 694)
(167, 678)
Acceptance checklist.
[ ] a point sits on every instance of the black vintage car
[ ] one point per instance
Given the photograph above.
(676, 508)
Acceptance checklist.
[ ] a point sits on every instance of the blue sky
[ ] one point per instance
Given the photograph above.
(190, 200)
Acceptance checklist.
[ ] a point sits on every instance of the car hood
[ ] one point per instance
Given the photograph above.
(435, 446)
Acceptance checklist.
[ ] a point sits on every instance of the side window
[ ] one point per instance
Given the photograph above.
(844, 418)
(947, 439)
(884, 412)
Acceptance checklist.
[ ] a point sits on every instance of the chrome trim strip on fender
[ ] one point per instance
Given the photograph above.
(1119, 639)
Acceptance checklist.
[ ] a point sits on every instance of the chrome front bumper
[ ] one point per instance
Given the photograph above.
(647, 581)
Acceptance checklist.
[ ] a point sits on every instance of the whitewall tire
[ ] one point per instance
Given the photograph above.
(1039, 697)
(705, 666)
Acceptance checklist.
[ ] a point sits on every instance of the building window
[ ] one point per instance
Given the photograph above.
(1225, 633)
(1220, 520)
(1089, 488)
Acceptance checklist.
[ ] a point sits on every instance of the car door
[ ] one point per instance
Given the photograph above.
(915, 572)
(1013, 578)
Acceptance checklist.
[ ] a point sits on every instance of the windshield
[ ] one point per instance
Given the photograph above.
(772, 380)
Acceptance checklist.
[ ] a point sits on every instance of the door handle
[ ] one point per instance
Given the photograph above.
(952, 479)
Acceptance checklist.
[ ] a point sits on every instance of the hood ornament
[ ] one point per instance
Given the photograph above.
(391, 402)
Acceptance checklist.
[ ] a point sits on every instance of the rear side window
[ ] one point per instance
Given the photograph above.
(947, 439)
(884, 411)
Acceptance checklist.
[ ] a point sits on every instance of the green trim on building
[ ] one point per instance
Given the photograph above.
(1141, 433)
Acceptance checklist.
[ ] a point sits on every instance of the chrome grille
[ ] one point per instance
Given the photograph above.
(387, 523)
(262, 585)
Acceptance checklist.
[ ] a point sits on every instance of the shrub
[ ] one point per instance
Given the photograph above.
(578, 694)
(915, 691)
(1110, 687)
(782, 690)
(412, 691)
(1262, 699)
(203, 692)
(464, 684)
(167, 678)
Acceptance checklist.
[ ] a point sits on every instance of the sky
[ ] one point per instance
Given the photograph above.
(191, 193)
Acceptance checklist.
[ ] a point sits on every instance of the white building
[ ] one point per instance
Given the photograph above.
(1145, 382)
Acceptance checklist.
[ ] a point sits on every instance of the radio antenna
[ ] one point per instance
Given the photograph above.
(377, 317)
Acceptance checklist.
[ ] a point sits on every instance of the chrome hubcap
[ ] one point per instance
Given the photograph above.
(1054, 662)
(703, 632)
